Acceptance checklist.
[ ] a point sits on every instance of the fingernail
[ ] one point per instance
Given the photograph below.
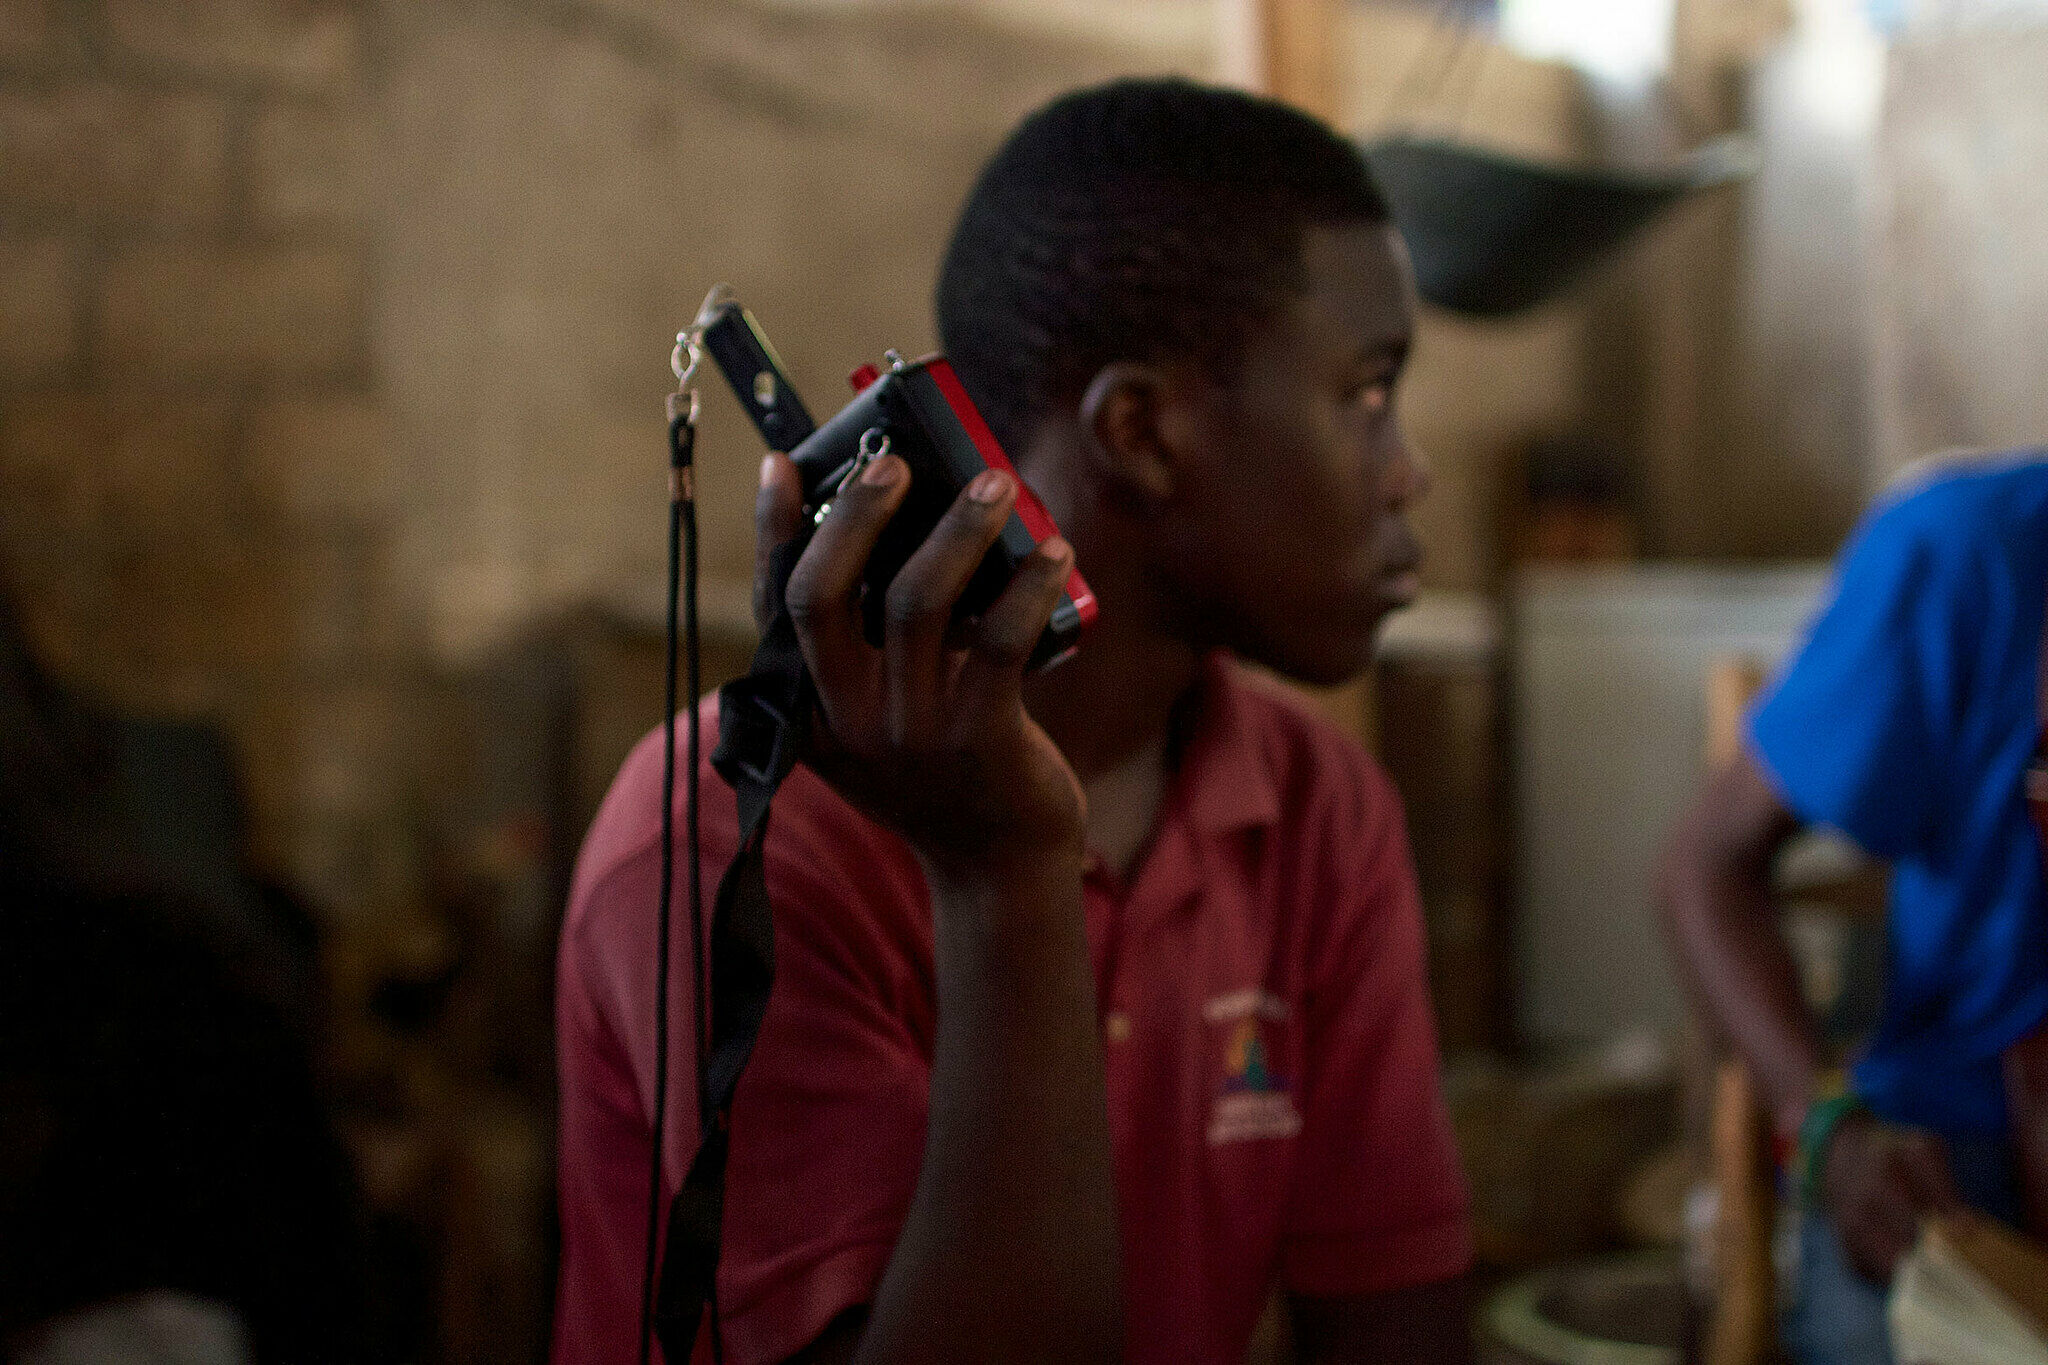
(1055, 548)
(880, 472)
(767, 470)
(988, 487)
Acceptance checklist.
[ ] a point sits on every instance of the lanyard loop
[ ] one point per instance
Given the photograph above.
(682, 409)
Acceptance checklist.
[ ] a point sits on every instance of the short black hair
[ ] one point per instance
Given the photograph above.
(1140, 220)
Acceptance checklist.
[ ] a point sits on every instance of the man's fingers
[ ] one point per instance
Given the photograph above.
(1886, 1246)
(1896, 1222)
(778, 516)
(1010, 629)
(821, 587)
(1924, 1167)
(925, 591)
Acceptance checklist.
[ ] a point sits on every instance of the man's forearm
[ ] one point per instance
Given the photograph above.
(2026, 1089)
(1747, 983)
(1010, 1250)
(1722, 917)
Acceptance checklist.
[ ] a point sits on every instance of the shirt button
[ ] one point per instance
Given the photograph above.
(1117, 1027)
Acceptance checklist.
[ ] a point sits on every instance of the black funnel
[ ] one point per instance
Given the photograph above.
(1493, 234)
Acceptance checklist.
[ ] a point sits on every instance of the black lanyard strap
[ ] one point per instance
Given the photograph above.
(763, 721)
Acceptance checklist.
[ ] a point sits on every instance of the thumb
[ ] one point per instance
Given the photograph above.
(778, 516)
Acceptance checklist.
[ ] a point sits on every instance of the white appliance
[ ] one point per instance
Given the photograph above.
(1609, 677)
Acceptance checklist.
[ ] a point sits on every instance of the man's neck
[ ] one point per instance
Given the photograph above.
(1111, 707)
(1114, 700)
(1111, 710)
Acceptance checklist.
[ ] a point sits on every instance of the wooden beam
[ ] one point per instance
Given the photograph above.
(1742, 1326)
(1283, 48)
(1733, 680)
(1744, 1320)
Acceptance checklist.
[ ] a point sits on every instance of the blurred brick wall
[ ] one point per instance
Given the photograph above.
(194, 508)
(335, 332)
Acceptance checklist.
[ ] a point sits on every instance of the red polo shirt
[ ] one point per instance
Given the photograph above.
(1272, 1064)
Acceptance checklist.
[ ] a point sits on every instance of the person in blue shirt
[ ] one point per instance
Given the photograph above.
(1907, 721)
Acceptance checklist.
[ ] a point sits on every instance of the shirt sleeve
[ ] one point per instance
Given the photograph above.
(829, 1122)
(829, 1119)
(1379, 1199)
(601, 1182)
(1853, 730)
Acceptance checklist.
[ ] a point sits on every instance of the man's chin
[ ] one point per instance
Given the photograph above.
(1326, 661)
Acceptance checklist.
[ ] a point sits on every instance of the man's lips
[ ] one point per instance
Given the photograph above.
(1401, 579)
(1402, 585)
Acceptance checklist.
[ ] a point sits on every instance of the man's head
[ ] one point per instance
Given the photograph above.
(1194, 297)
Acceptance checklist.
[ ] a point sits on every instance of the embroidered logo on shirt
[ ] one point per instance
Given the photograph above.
(1255, 1102)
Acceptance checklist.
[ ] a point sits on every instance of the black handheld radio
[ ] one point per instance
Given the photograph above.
(919, 411)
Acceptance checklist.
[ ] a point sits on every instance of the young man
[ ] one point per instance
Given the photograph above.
(1100, 1007)
(1908, 722)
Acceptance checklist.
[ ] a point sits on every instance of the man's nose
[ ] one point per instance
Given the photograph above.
(1409, 478)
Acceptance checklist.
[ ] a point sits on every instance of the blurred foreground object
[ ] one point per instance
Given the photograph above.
(161, 1128)
(157, 1328)
(1973, 1292)
(1623, 1310)
(161, 1122)
(1743, 1321)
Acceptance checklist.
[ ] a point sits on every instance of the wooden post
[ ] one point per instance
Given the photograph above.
(1731, 681)
(1744, 1319)
(1282, 48)
(1743, 1326)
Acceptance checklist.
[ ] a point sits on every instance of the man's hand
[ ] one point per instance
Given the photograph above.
(2026, 1097)
(1877, 1182)
(1008, 1252)
(928, 734)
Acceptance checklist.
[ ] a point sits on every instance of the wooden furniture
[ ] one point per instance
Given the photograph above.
(1742, 1327)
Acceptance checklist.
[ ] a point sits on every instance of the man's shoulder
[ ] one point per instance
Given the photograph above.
(1951, 499)
(626, 831)
(815, 837)
(1946, 534)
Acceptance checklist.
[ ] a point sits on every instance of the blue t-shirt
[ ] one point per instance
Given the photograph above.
(1906, 722)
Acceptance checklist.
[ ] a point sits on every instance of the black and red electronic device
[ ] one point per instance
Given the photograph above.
(917, 410)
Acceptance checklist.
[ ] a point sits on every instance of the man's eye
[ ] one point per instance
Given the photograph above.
(1376, 396)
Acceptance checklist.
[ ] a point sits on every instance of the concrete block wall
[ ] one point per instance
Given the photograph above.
(334, 331)
(192, 507)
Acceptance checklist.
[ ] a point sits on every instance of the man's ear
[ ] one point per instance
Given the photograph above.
(1121, 413)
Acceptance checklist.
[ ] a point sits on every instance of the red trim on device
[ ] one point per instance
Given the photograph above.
(1030, 510)
(1083, 598)
(1036, 519)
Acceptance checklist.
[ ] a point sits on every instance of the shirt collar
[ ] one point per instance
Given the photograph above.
(1225, 780)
